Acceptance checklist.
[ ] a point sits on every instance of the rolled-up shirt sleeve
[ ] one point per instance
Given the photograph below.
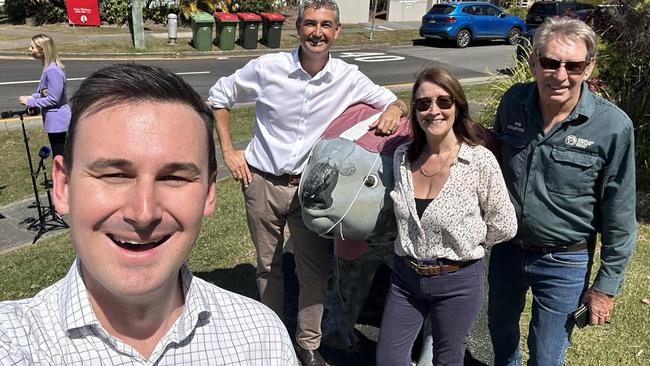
(618, 213)
(240, 87)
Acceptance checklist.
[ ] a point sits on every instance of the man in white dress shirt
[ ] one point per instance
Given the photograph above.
(296, 95)
(136, 179)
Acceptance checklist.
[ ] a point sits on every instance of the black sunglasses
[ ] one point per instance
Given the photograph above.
(443, 102)
(571, 67)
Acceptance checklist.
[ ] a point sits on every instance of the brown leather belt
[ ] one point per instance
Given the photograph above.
(581, 245)
(284, 179)
(425, 269)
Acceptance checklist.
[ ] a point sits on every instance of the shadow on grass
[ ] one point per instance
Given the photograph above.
(240, 279)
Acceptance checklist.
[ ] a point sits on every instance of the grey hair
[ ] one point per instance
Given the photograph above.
(317, 4)
(565, 28)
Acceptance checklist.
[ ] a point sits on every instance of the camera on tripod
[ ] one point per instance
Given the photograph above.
(29, 111)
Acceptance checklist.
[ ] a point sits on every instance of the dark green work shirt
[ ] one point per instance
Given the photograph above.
(574, 181)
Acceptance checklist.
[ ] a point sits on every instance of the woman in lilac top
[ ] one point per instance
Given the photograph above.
(50, 95)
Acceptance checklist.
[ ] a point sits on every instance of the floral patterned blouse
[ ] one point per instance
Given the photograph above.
(471, 212)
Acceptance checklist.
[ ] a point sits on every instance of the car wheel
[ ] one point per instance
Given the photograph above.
(513, 35)
(463, 38)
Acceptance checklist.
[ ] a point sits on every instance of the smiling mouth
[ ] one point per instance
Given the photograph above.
(315, 42)
(138, 246)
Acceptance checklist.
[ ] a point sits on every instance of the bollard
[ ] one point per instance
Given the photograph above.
(172, 27)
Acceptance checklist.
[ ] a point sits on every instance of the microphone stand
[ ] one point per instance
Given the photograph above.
(55, 221)
(39, 224)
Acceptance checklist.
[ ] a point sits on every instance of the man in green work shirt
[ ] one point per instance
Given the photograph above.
(568, 159)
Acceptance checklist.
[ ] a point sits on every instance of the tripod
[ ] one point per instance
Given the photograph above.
(55, 221)
(42, 223)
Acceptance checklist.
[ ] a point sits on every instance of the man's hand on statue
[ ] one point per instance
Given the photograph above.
(600, 306)
(236, 163)
(388, 121)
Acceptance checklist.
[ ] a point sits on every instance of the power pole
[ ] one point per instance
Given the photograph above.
(137, 23)
(374, 15)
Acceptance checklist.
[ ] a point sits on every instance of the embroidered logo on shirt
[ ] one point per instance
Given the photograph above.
(516, 126)
(572, 140)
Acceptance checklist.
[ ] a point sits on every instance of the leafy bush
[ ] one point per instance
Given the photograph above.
(518, 73)
(228, 6)
(256, 6)
(51, 12)
(158, 13)
(624, 67)
(191, 6)
(114, 11)
(19, 10)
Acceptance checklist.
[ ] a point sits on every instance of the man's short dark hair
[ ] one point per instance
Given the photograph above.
(317, 4)
(125, 83)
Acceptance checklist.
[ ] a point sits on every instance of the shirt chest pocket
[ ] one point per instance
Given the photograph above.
(571, 172)
(513, 153)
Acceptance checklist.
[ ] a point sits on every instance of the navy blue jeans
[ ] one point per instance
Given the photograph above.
(556, 281)
(452, 299)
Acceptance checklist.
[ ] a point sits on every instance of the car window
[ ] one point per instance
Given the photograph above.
(441, 9)
(469, 10)
(490, 10)
(543, 9)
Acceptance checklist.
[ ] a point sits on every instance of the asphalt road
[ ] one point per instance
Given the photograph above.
(390, 66)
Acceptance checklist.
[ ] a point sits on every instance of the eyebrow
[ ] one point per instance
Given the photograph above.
(100, 164)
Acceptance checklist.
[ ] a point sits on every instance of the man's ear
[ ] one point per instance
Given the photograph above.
(211, 196)
(337, 31)
(590, 68)
(532, 59)
(61, 181)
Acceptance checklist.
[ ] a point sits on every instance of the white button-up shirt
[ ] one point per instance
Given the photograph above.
(217, 327)
(292, 109)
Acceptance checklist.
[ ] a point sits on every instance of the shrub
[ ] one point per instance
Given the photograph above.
(51, 12)
(158, 13)
(518, 73)
(114, 11)
(19, 10)
(256, 6)
(624, 67)
(190, 6)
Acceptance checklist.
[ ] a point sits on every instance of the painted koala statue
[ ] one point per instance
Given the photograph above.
(344, 193)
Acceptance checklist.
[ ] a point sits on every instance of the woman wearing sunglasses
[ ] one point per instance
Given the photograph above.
(451, 203)
(50, 95)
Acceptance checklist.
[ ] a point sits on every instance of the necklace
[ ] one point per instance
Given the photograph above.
(429, 175)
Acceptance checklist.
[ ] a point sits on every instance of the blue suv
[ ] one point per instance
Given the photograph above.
(467, 21)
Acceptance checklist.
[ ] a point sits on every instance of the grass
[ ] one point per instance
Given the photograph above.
(15, 182)
(9, 37)
(156, 45)
(224, 255)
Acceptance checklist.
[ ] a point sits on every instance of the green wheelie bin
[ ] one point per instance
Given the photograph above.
(248, 26)
(272, 29)
(202, 30)
(226, 23)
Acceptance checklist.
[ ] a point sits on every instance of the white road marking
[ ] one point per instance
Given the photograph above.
(77, 79)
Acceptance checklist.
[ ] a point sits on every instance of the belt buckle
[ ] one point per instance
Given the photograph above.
(294, 180)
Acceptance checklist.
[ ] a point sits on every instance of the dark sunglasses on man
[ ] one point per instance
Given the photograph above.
(571, 67)
(443, 102)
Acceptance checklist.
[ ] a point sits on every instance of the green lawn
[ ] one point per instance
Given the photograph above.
(225, 256)
(154, 44)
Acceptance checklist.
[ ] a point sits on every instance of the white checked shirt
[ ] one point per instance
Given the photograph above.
(293, 109)
(217, 327)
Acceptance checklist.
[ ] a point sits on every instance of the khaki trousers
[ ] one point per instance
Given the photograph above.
(271, 203)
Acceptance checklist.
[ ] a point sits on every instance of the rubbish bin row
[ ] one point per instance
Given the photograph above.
(226, 23)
